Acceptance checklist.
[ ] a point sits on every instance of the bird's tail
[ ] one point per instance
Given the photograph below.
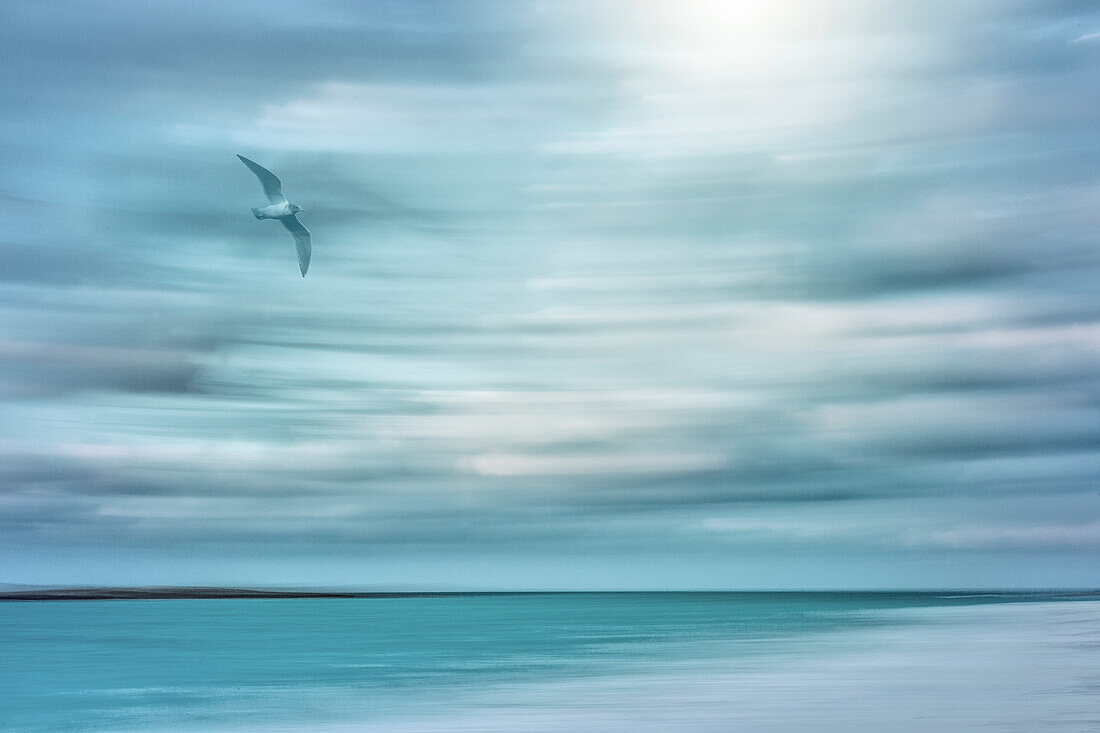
(256, 213)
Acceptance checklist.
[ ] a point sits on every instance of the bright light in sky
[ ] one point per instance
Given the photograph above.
(731, 40)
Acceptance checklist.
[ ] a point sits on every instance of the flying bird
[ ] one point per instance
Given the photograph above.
(282, 210)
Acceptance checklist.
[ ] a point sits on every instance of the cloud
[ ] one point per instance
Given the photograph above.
(1086, 38)
(1061, 535)
(689, 280)
(39, 368)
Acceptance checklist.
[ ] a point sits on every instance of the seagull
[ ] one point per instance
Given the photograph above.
(282, 210)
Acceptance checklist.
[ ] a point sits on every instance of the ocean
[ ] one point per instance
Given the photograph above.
(556, 662)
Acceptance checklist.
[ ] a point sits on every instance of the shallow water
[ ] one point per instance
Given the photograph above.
(660, 661)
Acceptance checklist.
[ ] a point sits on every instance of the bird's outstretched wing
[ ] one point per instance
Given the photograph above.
(301, 240)
(273, 187)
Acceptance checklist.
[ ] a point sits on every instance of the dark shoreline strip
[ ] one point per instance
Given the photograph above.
(202, 593)
(153, 594)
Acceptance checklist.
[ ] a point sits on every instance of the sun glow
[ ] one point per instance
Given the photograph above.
(708, 41)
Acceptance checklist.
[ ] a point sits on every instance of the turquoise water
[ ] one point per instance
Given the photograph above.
(430, 662)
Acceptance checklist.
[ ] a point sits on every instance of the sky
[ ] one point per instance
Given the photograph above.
(604, 294)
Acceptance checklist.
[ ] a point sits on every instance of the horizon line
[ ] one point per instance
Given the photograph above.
(13, 592)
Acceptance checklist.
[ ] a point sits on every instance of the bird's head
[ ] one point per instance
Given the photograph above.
(295, 209)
